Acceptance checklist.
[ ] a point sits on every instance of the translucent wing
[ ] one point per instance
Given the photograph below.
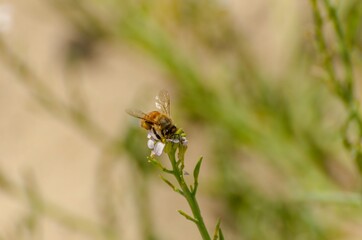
(136, 113)
(163, 102)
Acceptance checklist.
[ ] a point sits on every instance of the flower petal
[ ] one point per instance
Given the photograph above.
(173, 140)
(150, 144)
(151, 135)
(158, 149)
(184, 141)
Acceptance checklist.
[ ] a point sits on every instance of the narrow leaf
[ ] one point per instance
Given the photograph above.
(172, 186)
(197, 170)
(154, 162)
(188, 217)
(158, 164)
(221, 235)
(217, 230)
(196, 176)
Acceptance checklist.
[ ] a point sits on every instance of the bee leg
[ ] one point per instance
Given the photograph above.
(157, 135)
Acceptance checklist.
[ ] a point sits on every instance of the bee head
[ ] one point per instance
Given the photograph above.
(169, 131)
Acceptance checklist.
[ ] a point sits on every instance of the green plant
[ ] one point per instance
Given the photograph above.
(342, 85)
(163, 136)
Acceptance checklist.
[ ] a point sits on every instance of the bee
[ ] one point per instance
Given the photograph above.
(159, 122)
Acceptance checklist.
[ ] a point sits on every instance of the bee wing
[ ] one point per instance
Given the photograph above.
(136, 113)
(163, 102)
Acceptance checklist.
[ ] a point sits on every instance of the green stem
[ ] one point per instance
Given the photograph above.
(346, 58)
(191, 199)
(344, 86)
(323, 48)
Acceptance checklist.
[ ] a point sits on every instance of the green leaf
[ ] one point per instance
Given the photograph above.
(172, 186)
(197, 169)
(221, 235)
(217, 230)
(188, 217)
(196, 176)
(158, 164)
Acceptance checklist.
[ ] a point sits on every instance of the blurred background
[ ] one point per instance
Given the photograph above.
(247, 84)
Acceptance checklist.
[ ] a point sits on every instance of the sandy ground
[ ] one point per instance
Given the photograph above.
(61, 159)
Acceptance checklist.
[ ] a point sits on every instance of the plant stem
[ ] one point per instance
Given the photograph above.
(345, 55)
(323, 48)
(190, 197)
(343, 87)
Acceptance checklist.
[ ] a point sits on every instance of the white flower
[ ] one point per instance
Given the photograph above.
(6, 15)
(182, 140)
(158, 149)
(155, 144)
(151, 143)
